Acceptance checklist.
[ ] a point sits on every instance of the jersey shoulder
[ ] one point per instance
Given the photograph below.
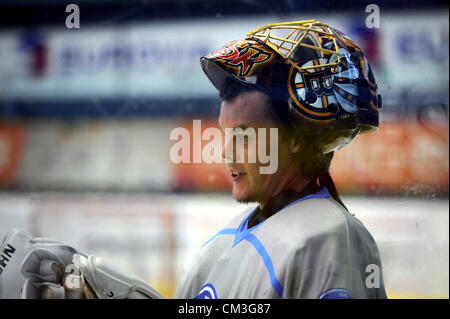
(316, 222)
(313, 217)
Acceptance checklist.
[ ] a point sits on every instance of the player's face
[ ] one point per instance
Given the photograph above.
(251, 110)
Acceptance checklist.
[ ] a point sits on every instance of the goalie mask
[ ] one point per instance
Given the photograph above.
(323, 76)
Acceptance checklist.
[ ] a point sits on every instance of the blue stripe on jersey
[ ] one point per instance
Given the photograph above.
(243, 233)
(323, 193)
(226, 231)
(243, 229)
(267, 261)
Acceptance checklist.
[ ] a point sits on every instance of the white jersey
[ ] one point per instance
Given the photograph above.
(312, 248)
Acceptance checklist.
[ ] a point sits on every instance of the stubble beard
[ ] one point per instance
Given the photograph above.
(251, 197)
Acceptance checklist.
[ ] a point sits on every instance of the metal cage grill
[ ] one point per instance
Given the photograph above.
(285, 37)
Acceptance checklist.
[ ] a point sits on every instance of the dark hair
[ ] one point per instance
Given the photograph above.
(313, 163)
(232, 89)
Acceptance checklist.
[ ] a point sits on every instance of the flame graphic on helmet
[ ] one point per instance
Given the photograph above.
(241, 55)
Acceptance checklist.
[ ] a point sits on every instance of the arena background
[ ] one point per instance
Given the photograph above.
(86, 115)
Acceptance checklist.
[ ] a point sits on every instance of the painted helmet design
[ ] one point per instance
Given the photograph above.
(322, 74)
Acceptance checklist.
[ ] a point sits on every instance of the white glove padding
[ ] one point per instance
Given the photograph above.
(47, 269)
(35, 267)
(50, 269)
(13, 251)
(108, 283)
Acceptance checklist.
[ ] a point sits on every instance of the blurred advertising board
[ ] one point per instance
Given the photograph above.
(401, 157)
(194, 173)
(12, 138)
(409, 53)
(96, 155)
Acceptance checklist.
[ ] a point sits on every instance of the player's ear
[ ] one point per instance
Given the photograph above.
(295, 144)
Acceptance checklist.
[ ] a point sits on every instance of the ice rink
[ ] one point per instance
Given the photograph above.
(155, 236)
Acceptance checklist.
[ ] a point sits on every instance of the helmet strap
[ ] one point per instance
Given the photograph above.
(327, 181)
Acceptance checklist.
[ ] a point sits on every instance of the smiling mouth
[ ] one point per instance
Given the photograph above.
(236, 176)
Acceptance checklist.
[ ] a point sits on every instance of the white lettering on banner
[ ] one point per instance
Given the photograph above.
(132, 57)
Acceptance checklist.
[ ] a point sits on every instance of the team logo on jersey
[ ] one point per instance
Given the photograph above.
(207, 292)
(241, 55)
(336, 293)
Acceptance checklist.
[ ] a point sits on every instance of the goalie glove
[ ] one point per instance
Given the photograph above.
(35, 268)
(49, 272)
(108, 283)
(49, 269)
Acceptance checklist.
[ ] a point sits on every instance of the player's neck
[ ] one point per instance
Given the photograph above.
(280, 201)
(296, 182)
